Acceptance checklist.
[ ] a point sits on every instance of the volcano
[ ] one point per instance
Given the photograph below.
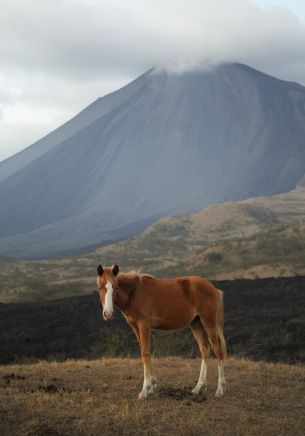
(165, 144)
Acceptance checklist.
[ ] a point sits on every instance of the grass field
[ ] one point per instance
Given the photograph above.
(99, 398)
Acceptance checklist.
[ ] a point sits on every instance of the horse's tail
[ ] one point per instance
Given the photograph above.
(220, 324)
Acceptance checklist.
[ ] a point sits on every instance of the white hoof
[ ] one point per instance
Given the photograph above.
(148, 390)
(142, 396)
(199, 388)
(220, 391)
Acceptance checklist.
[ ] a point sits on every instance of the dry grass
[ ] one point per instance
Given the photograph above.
(99, 398)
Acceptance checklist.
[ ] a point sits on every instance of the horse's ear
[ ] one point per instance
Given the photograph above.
(100, 270)
(115, 270)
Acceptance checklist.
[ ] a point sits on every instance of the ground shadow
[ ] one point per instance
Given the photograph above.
(181, 394)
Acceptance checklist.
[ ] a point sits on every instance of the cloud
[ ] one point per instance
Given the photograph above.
(33, 104)
(59, 55)
(85, 39)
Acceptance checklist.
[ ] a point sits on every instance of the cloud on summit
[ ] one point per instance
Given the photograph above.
(57, 56)
(85, 39)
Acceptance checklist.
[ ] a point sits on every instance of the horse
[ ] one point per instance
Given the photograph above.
(149, 303)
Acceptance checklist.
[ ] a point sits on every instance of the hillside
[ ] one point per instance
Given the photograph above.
(99, 397)
(259, 237)
(166, 144)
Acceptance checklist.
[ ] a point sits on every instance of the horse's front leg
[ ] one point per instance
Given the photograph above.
(150, 381)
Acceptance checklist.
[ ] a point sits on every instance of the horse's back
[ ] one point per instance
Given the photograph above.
(192, 288)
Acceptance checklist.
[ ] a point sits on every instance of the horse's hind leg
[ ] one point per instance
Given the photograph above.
(204, 347)
(218, 344)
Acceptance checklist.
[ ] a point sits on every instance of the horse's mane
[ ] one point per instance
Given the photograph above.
(133, 274)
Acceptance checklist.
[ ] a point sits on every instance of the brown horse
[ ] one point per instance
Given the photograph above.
(149, 303)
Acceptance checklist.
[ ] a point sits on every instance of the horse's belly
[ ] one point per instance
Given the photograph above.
(171, 322)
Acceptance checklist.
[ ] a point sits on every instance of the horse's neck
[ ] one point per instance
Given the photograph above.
(126, 288)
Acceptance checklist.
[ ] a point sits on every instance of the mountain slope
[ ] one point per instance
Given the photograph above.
(259, 237)
(165, 144)
(59, 135)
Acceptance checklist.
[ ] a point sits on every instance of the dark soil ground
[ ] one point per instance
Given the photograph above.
(264, 320)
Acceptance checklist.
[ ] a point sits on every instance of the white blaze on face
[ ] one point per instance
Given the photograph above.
(108, 307)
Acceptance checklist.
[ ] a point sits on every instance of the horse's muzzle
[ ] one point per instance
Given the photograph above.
(107, 316)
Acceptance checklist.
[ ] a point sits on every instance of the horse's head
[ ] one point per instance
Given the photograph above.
(107, 284)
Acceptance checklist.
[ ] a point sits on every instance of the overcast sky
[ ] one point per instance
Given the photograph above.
(57, 56)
